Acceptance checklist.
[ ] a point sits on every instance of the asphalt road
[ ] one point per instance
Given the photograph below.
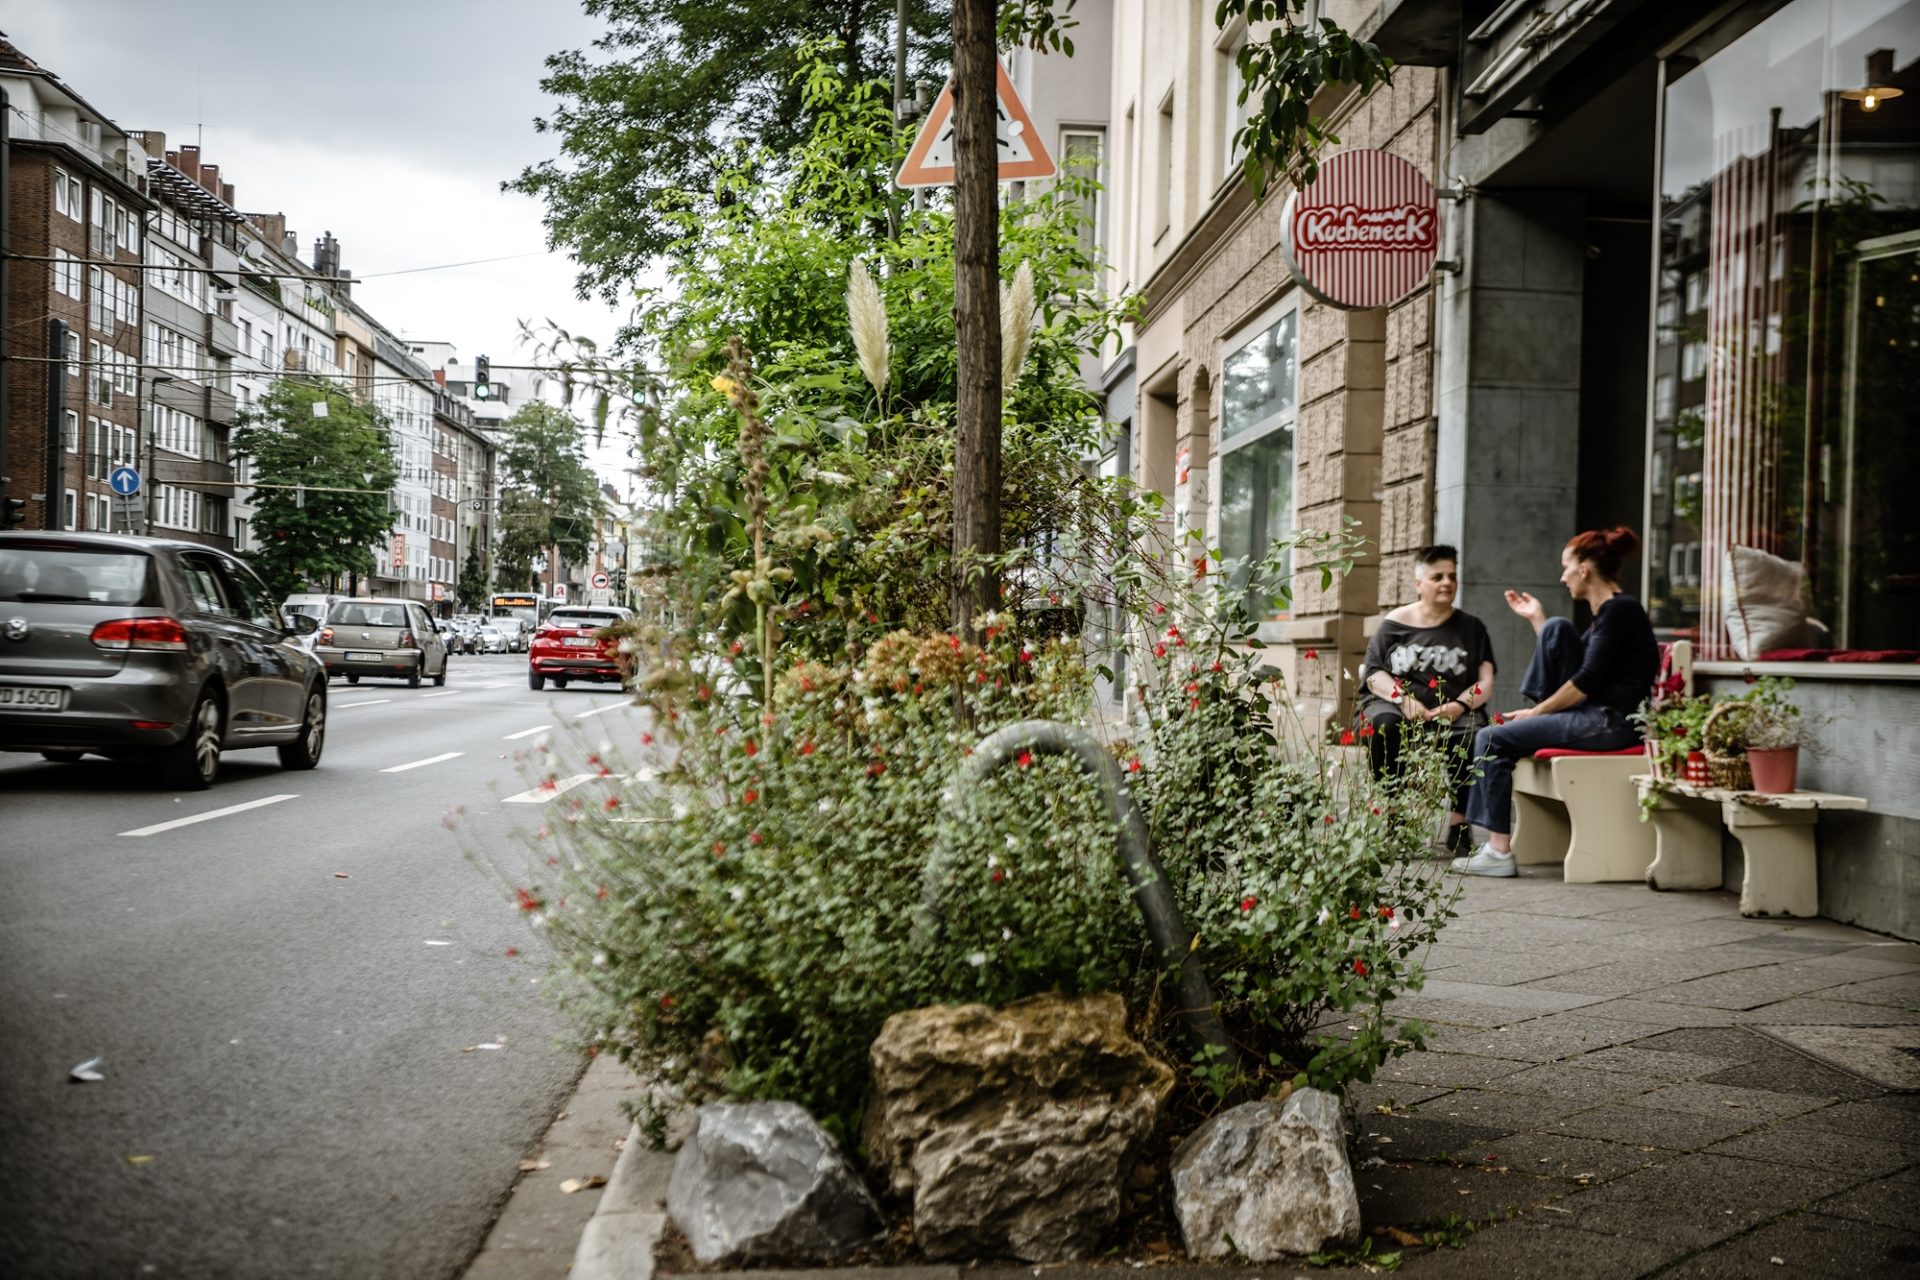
(286, 1091)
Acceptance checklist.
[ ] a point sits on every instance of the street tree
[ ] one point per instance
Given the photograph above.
(549, 498)
(674, 92)
(323, 466)
(471, 585)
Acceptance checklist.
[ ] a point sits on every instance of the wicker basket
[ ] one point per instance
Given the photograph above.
(1730, 769)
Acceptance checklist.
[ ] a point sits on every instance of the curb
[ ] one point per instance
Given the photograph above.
(619, 1239)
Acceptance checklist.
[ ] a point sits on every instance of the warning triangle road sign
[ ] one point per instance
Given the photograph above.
(1023, 154)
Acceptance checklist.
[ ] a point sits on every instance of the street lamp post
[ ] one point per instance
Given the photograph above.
(144, 454)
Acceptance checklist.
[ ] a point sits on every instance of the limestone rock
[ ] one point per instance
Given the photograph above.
(762, 1180)
(1267, 1179)
(1013, 1129)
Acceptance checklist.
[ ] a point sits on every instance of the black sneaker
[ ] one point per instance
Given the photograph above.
(1460, 839)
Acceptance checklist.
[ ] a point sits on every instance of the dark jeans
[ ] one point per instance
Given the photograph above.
(1383, 749)
(1557, 652)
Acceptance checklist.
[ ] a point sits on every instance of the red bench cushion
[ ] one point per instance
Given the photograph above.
(1555, 753)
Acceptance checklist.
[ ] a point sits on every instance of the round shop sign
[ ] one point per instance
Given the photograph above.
(1364, 233)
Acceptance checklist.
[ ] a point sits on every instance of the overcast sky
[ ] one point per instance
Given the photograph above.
(390, 123)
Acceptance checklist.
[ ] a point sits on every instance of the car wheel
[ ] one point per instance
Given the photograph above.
(192, 763)
(559, 682)
(535, 680)
(304, 751)
(353, 679)
(62, 757)
(439, 681)
(413, 676)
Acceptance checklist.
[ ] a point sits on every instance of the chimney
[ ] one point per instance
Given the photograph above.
(210, 178)
(290, 245)
(189, 162)
(272, 226)
(326, 255)
(154, 143)
(226, 193)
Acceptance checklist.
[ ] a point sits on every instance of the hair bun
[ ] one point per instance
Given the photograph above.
(1621, 540)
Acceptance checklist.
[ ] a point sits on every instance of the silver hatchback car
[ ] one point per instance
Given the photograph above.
(150, 648)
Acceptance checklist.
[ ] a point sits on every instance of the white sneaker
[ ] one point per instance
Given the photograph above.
(1485, 862)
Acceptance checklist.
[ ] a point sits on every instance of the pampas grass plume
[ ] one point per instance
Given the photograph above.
(1016, 326)
(867, 316)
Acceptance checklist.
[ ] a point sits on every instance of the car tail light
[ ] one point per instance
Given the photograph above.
(141, 633)
(406, 639)
(325, 636)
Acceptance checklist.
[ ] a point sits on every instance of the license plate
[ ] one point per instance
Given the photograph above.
(366, 657)
(580, 642)
(21, 698)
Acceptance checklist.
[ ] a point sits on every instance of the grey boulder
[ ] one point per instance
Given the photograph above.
(762, 1180)
(1267, 1179)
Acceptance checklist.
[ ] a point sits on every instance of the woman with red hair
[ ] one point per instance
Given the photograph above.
(1583, 687)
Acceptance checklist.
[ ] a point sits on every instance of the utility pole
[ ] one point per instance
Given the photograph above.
(976, 311)
(56, 477)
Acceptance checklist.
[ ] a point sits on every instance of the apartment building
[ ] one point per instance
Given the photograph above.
(73, 302)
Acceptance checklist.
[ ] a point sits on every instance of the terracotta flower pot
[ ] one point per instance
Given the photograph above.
(1775, 770)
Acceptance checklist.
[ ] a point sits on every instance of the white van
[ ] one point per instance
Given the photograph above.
(314, 606)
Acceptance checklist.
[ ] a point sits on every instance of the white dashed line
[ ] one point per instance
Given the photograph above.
(374, 702)
(545, 792)
(421, 764)
(527, 733)
(444, 693)
(158, 827)
(600, 711)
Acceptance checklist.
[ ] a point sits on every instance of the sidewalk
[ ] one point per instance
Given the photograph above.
(1606, 1094)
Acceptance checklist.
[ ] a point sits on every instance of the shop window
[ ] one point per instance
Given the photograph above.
(1259, 403)
(1790, 230)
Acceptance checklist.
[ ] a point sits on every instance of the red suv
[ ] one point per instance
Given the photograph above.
(566, 648)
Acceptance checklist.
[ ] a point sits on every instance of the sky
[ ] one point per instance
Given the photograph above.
(390, 124)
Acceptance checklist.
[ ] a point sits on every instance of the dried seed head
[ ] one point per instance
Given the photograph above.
(1016, 326)
(867, 316)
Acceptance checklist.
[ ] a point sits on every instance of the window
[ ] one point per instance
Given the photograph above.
(204, 586)
(1793, 454)
(1082, 153)
(71, 432)
(1233, 114)
(73, 354)
(69, 510)
(67, 200)
(1259, 401)
(1163, 190)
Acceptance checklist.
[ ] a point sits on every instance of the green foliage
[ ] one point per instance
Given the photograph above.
(549, 497)
(1673, 726)
(471, 586)
(336, 471)
(655, 119)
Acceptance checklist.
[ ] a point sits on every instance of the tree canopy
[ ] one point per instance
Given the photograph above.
(331, 457)
(665, 101)
(549, 498)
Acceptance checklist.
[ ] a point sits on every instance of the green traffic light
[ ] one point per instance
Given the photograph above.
(481, 391)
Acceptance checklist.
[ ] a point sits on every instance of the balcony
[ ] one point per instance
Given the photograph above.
(223, 336)
(221, 405)
(212, 478)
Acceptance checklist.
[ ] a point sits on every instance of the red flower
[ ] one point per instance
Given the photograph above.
(1172, 632)
(953, 643)
(1214, 667)
(873, 617)
(1193, 686)
(1309, 654)
(1249, 902)
(527, 901)
(737, 647)
(1026, 655)
(750, 796)
(1329, 819)
(1193, 704)
(600, 893)
(1434, 683)
(551, 783)
(1025, 759)
(999, 874)
(1360, 967)
(755, 838)
(806, 748)
(513, 951)
(1158, 609)
(646, 739)
(593, 759)
(705, 693)
(752, 748)
(666, 1002)
(605, 772)
(918, 689)
(1366, 730)
(1498, 718)
(875, 769)
(1346, 738)
(1376, 811)
(1476, 691)
(1353, 913)
(613, 802)
(1133, 765)
(719, 848)
(1160, 651)
(1386, 913)
(721, 732)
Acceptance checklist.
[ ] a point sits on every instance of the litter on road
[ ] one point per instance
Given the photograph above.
(88, 1072)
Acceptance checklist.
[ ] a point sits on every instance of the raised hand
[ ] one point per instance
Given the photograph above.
(1527, 607)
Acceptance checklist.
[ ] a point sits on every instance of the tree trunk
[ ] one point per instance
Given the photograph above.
(976, 309)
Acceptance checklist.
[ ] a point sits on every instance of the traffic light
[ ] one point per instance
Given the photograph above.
(481, 390)
(13, 513)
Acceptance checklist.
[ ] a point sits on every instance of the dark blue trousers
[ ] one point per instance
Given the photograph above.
(1557, 653)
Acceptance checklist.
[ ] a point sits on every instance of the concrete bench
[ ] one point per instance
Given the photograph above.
(1577, 808)
(1775, 832)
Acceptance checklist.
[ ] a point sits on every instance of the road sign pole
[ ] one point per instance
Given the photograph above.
(56, 479)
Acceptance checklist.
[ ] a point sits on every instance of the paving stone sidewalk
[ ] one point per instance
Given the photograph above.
(1600, 1099)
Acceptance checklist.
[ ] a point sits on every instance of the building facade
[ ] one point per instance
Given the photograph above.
(75, 230)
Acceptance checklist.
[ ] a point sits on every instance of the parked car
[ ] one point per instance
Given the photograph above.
(490, 639)
(147, 648)
(381, 636)
(462, 633)
(516, 631)
(567, 647)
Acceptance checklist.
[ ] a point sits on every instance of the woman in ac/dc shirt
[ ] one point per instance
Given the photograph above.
(1432, 664)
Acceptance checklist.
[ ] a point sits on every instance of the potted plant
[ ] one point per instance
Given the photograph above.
(1673, 726)
(1773, 732)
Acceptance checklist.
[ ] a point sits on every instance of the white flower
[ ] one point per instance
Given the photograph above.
(826, 804)
(599, 959)
(977, 959)
(1013, 841)
(1006, 934)
(736, 893)
(992, 862)
(1326, 914)
(536, 920)
(1393, 925)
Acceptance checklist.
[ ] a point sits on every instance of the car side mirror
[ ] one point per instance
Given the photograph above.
(303, 624)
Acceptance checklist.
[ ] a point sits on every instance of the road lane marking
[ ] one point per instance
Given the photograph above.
(444, 693)
(544, 792)
(421, 764)
(527, 733)
(600, 711)
(370, 703)
(211, 814)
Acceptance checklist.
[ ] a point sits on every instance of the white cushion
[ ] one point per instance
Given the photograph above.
(1763, 609)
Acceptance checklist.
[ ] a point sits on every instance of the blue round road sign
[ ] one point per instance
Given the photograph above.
(124, 481)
